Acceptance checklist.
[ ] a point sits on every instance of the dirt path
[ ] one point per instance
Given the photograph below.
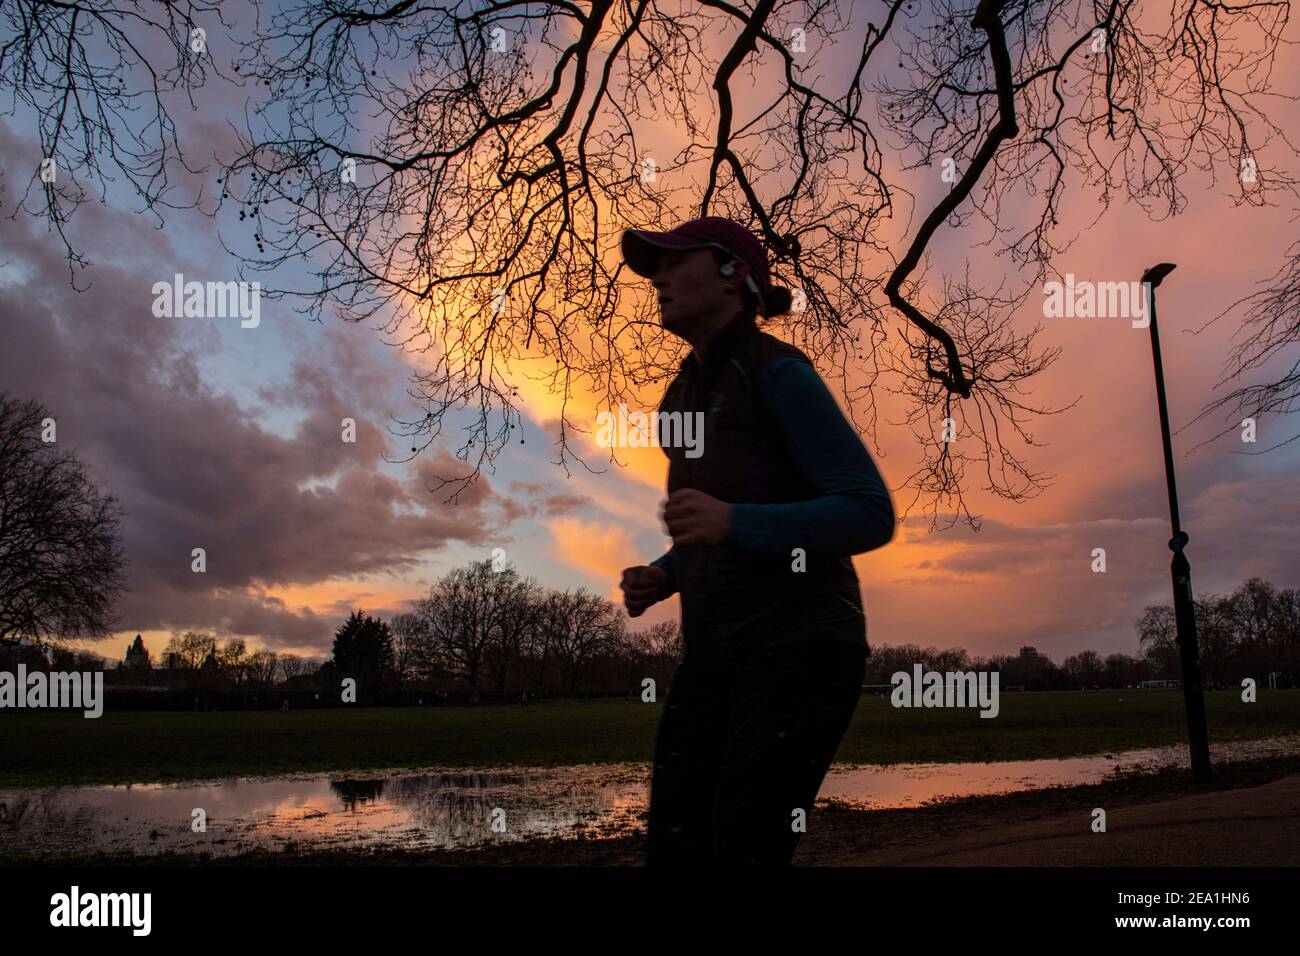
(1250, 826)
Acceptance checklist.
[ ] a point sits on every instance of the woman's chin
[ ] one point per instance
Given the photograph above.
(672, 322)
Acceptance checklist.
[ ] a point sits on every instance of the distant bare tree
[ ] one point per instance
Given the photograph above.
(261, 667)
(1216, 637)
(663, 642)
(61, 563)
(579, 626)
(948, 659)
(1158, 640)
(457, 623)
(539, 651)
(233, 658)
(1084, 669)
(1264, 615)
(406, 646)
(514, 602)
(188, 651)
(651, 653)
(1123, 670)
(291, 666)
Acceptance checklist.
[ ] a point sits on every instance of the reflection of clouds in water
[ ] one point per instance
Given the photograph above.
(911, 785)
(418, 809)
(409, 809)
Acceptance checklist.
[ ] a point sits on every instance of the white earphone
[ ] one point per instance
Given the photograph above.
(728, 269)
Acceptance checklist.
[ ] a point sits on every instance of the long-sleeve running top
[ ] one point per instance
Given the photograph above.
(853, 512)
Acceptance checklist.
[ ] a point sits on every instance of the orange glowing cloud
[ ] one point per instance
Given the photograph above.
(600, 550)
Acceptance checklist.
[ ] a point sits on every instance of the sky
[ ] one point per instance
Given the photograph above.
(223, 437)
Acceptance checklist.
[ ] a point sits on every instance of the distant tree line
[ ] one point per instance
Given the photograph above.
(1251, 632)
(1248, 633)
(488, 634)
(478, 634)
(189, 653)
(491, 631)
(1028, 669)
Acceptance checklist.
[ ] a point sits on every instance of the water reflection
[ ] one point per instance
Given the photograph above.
(355, 792)
(457, 808)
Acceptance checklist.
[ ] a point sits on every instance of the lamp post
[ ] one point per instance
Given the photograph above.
(1180, 569)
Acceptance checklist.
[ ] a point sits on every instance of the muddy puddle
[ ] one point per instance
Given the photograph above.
(416, 809)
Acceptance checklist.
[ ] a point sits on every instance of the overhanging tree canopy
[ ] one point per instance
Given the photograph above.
(461, 171)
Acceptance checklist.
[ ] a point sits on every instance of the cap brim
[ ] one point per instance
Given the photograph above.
(641, 248)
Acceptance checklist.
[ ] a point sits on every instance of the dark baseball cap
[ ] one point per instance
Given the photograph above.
(641, 252)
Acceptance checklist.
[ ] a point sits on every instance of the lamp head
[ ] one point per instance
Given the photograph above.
(1155, 274)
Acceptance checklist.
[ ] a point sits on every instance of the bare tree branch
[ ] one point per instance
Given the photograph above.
(94, 77)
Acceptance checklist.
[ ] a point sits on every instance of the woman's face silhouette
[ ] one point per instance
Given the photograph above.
(695, 300)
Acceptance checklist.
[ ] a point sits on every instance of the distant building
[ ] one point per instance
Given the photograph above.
(137, 655)
(1028, 651)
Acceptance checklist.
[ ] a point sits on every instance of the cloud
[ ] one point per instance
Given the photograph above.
(194, 466)
(545, 501)
(600, 550)
(1010, 584)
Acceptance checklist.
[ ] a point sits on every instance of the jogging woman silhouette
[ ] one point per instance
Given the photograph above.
(763, 519)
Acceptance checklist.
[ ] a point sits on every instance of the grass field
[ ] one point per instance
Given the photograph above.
(53, 748)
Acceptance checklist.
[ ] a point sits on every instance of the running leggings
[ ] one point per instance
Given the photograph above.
(741, 748)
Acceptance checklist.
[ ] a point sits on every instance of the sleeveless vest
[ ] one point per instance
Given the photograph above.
(735, 600)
